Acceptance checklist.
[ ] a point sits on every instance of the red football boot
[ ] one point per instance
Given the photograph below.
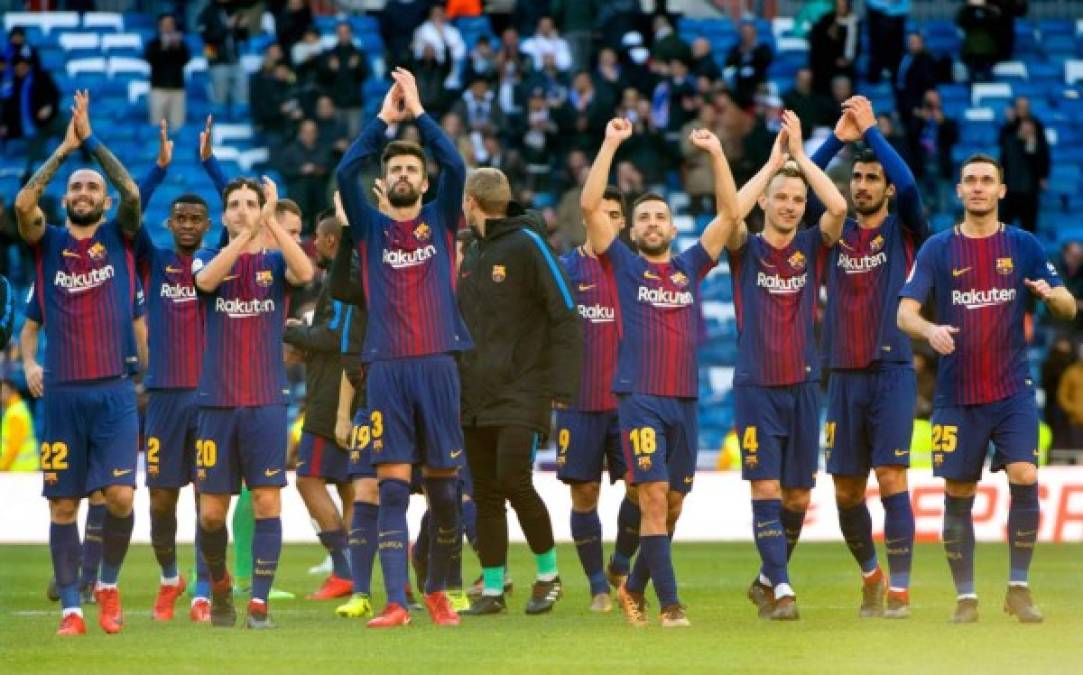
(110, 615)
(440, 610)
(393, 615)
(333, 587)
(167, 597)
(200, 611)
(71, 624)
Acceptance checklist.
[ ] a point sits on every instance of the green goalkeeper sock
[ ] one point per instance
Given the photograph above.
(546, 564)
(244, 524)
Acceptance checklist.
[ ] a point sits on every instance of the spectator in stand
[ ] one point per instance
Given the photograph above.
(616, 18)
(981, 24)
(445, 39)
(431, 74)
(814, 109)
(333, 134)
(703, 63)
(30, 109)
(1069, 395)
(18, 49)
(891, 131)
(1071, 271)
(586, 112)
(511, 48)
(539, 142)
(1010, 10)
(1024, 154)
(842, 88)
(291, 24)
(481, 61)
(305, 56)
(576, 21)
(932, 135)
(497, 156)
(916, 75)
(675, 99)
(167, 54)
(649, 148)
(306, 166)
(342, 70)
(750, 59)
(811, 11)
(280, 109)
(886, 20)
(547, 42)
(698, 176)
(457, 8)
(223, 31)
(398, 21)
(609, 75)
(549, 79)
(1061, 355)
(666, 44)
(833, 46)
(479, 110)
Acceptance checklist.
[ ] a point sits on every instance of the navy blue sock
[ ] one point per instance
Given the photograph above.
(212, 546)
(587, 535)
(792, 523)
(92, 543)
(640, 574)
(627, 536)
(856, 525)
(65, 550)
(770, 539)
(959, 541)
(899, 538)
(470, 521)
(266, 548)
(393, 537)
(116, 535)
(657, 549)
(1024, 516)
(443, 495)
(335, 543)
(363, 545)
(163, 539)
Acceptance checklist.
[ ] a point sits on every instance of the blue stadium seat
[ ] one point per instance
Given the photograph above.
(1059, 46)
(1050, 27)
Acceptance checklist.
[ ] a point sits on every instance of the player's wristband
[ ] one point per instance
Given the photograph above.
(91, 143)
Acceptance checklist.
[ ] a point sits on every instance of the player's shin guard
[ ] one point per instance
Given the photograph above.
(587, 535)
(899, 538)
(770, 539)
(163, 539)
(243, 518)
(212, 545)
(393, 537)
(266, 547)
(856, 525)
(627, 536)
(335, 543)
(116, 535)
(959, 542)
(1023, 521)
(656, 548)
(443, 494)
(792, 524)
(363, 545)
(92, 543)
(65, 550)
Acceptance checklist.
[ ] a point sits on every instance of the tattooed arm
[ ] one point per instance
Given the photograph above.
(129, 214)
(28, 214)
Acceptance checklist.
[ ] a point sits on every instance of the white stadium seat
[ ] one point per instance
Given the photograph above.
(99, 20)
(70, 41)
(125, 64)
(122, 41)
(94, 64)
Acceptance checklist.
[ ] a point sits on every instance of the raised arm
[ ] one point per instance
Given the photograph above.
(845, 132)
(600, 233)
(154, 177)
(834, 203)
(129, 214)
(298, 266)
(28, 215)
(720, 229)
(751, 191)
(208, 160)
(368, 144)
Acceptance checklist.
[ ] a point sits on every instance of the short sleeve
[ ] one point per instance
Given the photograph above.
(923, 275)
(1038, 266)
(202, 258)
(144, 247)
(33, 306)
(696, 260)
(139, 301)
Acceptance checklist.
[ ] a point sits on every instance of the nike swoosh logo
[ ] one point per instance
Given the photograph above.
(650, 275)
(172, 270)
(269, 473)
(895, 541)
(586, 287)
(1025, 534)
(455, 453)
(117, 473)
(68, 254)
(688, 480)
(902, 453)
(959, 273)
(765, 523)
(231, 277)
(266, 562)
(388, 534)
(300, 464)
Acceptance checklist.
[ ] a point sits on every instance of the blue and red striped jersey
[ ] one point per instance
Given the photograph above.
(659, 321)
(596, 301)
(244, 318)
(979, 289)
(774, 295)
(86, 289)
(408, 267)
(174, 316)
(866, 270)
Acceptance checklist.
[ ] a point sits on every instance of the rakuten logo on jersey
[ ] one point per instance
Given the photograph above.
(660, 297)
(975, 299)
(178, 292)
(79, 283)
(781, 285)
(399, 259)
(244, 309)
(598, 313)
(861, 265)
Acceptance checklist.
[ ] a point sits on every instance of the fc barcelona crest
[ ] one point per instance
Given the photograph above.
(680, 279)
(751, 461)
(97, 251)
(877, 243)
(797, 261)
(1004, 266)
(644, 462)
(422, 232)
(264, 278)
(499, 273)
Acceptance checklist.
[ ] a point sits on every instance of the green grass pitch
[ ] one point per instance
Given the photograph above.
(725, 633)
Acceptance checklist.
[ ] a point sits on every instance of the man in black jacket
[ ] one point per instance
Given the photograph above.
(517, 304)
(167, 54)
(1024, 154)
(320, 459)
(341, 71)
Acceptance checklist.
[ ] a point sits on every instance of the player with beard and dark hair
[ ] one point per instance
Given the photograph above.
(87, 283)
(873, 387)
